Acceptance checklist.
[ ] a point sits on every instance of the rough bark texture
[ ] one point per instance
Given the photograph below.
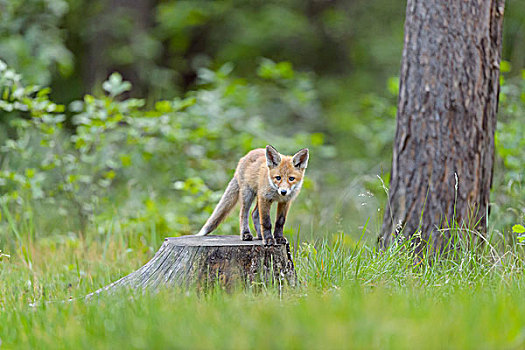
(207, 260)
(448, 98)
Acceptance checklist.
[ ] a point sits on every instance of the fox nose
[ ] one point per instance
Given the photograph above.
(283, 192)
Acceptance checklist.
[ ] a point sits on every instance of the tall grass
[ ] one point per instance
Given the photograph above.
(350, 295)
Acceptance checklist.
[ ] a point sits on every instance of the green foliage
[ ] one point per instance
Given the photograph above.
(518, 229)
(168, 164)
(321, 84)
(122, 153)
(508, 195)
(161, 45)
(31, 38)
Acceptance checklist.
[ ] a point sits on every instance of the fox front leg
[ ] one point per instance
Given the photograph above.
(246, 199)
(282, 211)
(266, 221)
(256, 221)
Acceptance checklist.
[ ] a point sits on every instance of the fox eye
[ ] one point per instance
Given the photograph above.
(278, 178)
(291, 178)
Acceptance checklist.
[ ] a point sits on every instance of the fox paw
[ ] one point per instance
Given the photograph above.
(246, 236)
(281, 240)
(269, 241)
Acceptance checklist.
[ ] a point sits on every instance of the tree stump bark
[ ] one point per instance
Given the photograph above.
(205, 261)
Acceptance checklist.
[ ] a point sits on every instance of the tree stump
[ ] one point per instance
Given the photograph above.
(208, 260)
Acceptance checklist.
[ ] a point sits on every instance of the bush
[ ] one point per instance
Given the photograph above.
(167, 164)
(163, 168)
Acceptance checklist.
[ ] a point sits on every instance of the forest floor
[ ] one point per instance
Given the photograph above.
(349, 296)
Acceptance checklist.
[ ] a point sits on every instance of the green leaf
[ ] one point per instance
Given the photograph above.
(504, 66)
(393, 85)
(226, 69)
(88, 99)
(271, 70)
(110, 175)
(163, 106)
(30, 173)
(518, 229)
(317, 139)
(125, 160)
(114, 86)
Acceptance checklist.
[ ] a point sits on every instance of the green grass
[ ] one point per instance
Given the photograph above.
(349, 296)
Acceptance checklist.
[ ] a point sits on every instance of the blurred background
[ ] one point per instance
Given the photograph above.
(148, 151)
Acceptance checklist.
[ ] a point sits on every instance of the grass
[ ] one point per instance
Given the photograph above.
(349, 296)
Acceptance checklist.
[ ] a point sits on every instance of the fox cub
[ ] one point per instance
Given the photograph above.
(269, 176)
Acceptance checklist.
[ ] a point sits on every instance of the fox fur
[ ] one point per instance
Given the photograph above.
(267, 176)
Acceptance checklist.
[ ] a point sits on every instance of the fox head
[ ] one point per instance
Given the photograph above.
(285, 173)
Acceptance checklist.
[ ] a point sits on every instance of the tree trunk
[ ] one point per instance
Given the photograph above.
(448, 98)
(203, 261)
(98, 63)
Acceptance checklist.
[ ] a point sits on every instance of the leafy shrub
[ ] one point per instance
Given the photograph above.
(165, 165)
(163, 168)
(31, 38)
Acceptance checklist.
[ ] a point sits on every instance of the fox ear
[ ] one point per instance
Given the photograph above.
(300, 159)
(273, 158)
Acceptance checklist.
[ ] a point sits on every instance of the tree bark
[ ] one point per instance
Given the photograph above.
(205, 261)
(444, 144)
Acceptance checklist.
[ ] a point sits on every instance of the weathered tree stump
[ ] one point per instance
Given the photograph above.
(205, 261)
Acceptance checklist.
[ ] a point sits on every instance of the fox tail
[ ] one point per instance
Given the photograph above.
(226, 204)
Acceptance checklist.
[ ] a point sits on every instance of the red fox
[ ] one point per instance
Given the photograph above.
(269, 176)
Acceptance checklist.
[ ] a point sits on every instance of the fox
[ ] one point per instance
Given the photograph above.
(268, 176)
